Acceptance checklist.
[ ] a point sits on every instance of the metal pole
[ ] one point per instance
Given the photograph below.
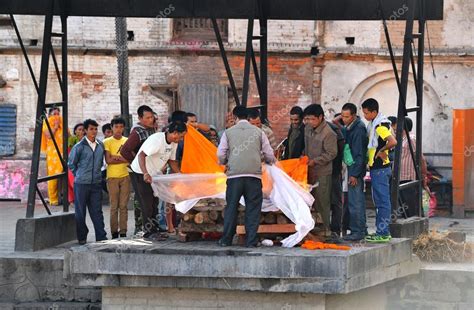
(48, 23)
(65, 109)
(25, 54)
(122, 65)
(256, 74)
(263, 67)
(226, 62)
(419, 101)
(248, 52)
(402, 104)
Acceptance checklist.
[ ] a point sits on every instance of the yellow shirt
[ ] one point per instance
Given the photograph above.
(383, 133)
(113, 146)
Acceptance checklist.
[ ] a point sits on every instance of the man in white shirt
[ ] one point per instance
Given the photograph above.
(157, 151)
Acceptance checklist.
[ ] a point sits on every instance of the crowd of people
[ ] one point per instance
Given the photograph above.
(340, 152)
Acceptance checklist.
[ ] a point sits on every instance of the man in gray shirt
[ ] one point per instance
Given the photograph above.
(241, 149)
(321, 149)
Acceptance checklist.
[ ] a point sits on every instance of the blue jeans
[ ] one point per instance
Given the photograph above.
(162, 216)
(89, 197)
(381, 196)
(356, 208)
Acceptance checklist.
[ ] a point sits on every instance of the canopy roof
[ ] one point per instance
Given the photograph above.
(229, 9)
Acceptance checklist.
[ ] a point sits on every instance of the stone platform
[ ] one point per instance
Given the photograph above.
(170, 264)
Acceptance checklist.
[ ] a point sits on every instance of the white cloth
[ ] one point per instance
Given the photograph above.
(157, 152)
(93, 145)
(185, 190)
(371, 130)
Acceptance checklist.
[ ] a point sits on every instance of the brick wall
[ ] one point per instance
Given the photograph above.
(174, 298)
(397, 32)
(93, 87)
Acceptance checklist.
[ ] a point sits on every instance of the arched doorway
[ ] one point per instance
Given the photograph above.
(437, 119)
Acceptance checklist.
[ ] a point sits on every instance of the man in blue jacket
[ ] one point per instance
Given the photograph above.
(85, 162)
(355, 134)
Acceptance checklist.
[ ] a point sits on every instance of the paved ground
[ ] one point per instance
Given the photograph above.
(10, 212)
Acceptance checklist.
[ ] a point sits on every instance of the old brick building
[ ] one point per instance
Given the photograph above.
(170, 58)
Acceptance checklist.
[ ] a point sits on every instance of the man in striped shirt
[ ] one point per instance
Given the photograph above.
(407, 169)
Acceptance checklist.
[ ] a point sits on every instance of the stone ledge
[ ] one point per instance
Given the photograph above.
(409, 228)
(33, 234)
(136, 263)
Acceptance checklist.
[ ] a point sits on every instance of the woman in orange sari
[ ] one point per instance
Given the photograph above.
(53, 161)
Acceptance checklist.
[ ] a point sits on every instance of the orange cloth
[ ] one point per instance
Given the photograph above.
(315, 245)
(200, 156)
(297, 169)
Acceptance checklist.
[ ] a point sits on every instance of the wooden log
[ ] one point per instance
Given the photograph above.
(202, 218)
(282, 219)
(270, 229)
(214, 215)
(186, 227)
(188, 217)
(270, 218)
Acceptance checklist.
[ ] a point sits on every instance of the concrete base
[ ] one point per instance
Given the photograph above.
(409, 228)
(31, 281)
(446, 286)
(137, 263)
(33, 234)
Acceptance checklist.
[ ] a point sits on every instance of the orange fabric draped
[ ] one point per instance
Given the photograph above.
(200, 156)
(297, 169)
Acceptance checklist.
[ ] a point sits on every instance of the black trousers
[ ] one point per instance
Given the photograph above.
(148, 204)
(336, 204)
(136, 205)
(251, 189)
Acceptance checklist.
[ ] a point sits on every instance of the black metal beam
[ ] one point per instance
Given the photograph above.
(40, 107)
(255, 72)
(419, 102)
(231, 9)
(64, 92)
(263, 65)
(226, 61)
(402, 105)
(248, 55)
(25, 53)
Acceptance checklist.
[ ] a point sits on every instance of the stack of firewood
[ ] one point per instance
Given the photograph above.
(207, 216)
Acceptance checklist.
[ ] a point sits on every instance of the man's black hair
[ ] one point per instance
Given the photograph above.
(90, 122)
(296, 110)
(393, 120)
(240, 112)
(350, 107)
(314, 109)
(105, 127)
(408, 123)
(117, 120)
(190, 114)
(51, 110)
(253, 114)
(371, 104)
(142, 109)
(177, 127)
(76, 126)
(179, 116)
